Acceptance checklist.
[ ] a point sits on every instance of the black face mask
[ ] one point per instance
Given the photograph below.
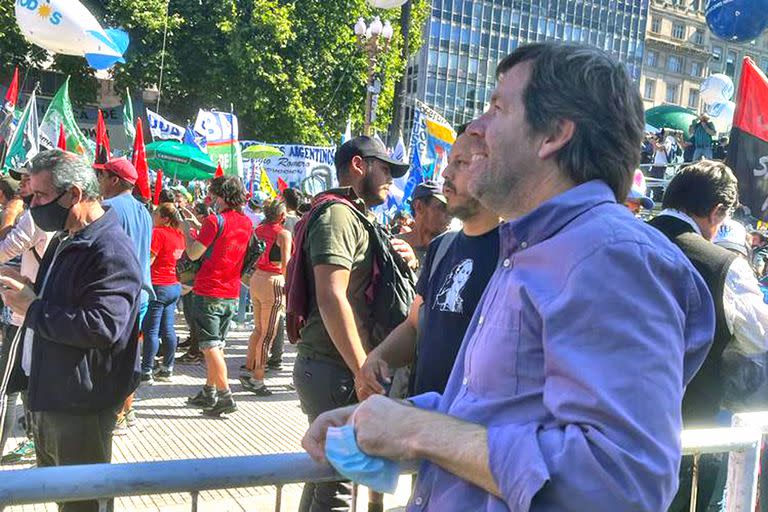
(27, 200)
(51, 216)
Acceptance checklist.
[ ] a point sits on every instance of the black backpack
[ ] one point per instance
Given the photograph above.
(256, 247)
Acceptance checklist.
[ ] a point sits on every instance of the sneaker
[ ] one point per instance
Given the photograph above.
(184, 344)
(121, 427)
(24, 452)
(190, 358)
(163, 374)
(146, 378)
(130, 417)
(274, 365)
(249, 385)
(203, 399)
(222, 406)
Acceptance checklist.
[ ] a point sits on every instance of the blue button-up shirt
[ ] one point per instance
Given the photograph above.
(576, 361)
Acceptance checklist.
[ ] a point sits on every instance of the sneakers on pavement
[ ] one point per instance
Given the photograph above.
(204, 399)
(121, 427)
(188, 358)
(223, 405)
(249, 385)
(163, 374)
(146, 378)
(24, 452)
(130, 417)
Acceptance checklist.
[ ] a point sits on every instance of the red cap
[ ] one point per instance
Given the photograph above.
(122, 168)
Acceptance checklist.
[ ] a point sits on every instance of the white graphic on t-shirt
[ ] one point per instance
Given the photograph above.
(449, 296)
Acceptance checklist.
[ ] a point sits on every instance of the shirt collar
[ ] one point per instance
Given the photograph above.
(552, 215)
(671, 212)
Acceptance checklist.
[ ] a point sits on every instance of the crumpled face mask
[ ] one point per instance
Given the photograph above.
(345, 456)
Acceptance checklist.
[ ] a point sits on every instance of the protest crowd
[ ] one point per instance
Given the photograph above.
(536, 327)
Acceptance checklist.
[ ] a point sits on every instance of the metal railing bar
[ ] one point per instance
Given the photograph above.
(278, 498)
(194, 495)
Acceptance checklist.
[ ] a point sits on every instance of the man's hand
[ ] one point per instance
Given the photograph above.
(373, 372)
(405, 251)
(16, 295)
(384, 427)
(314, 439)
(13, 273)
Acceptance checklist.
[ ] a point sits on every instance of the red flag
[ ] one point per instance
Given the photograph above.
(102, 141)
(158, 185)
(139, 161)
(281, 185)
(62, 143)
(12, 94)
(219, 171)
(748, 145)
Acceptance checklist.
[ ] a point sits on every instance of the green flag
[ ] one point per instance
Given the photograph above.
(60, 113)
(25, 142)
(130, 129)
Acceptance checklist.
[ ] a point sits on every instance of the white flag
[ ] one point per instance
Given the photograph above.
(161, 128)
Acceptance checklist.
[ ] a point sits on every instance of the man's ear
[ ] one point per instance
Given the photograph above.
(555, 141)
(357, 166)
(76, 194)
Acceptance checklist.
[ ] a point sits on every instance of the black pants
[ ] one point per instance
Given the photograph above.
(63, 439)
(713, 471)
(323, 386)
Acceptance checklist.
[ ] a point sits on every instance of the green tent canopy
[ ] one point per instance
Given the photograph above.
(179, 161)
(670, 116)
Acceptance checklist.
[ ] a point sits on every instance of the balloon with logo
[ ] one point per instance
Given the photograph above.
(67, 27)
(386, 4)
(721, 115)
(737, 20)
(717, 88)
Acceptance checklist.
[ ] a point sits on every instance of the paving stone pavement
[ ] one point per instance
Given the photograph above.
(168, 429)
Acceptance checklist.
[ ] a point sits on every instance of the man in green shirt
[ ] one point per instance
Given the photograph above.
(338, 333)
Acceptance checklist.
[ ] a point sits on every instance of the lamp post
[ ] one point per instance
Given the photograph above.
(373, 39)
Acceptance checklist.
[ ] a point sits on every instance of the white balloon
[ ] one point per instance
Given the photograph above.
(721, 115)
(386, 4)
(717, 88)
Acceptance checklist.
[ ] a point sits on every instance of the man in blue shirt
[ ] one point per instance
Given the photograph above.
(117, 178)
(456, 269)
(566, 393)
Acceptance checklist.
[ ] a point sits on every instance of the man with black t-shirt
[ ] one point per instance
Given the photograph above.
(456, 269)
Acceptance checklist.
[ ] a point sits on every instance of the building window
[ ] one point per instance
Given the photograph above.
(674, 63)
(698, 36)
(697, 68)
(678, 30)
(651, 58)
(730, 63)
(764, 64)
(693, 99)
(717, 59)
(650, 89)
(656, 25)
(672, 93)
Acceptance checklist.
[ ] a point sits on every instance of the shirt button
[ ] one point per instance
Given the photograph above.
(465, 381)
(524, 245)
(480, 320)
(418, 500)
(506, 263)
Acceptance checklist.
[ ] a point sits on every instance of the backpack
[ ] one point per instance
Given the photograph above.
(256, 247)
(187, 268)
(393, 284)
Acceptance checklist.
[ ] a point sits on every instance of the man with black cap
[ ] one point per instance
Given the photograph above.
(117, 178)
(333, 263)
(430, 216)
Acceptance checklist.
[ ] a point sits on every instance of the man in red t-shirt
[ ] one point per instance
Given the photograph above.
(221, 243)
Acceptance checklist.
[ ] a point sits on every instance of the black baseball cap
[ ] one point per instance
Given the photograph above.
(428, 188)
(368, 147)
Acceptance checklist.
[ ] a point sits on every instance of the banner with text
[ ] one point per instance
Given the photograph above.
(220, 132)
(161, 128)
(307, 168)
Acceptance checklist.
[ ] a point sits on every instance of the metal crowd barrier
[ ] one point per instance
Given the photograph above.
(104, 481)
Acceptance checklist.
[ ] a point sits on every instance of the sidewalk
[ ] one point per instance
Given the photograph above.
(168, 429)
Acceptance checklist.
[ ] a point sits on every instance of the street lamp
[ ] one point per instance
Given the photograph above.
(373, 39)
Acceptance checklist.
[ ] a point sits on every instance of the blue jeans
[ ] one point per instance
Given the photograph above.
(700, 153)
(159, 324)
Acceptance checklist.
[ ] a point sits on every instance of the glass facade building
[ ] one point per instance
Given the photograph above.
(454, 71)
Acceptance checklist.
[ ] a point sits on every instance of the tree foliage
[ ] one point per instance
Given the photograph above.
(290, 69)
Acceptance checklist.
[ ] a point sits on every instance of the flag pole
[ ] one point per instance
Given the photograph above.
(162, 55)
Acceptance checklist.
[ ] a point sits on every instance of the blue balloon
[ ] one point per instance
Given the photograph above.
(737, 20)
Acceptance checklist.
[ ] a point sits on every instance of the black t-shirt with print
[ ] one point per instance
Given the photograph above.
(450, 299)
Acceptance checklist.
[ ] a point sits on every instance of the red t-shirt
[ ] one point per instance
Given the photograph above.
(168, 245)
(219, 275)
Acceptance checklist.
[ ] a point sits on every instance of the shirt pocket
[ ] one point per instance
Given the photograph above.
(493, 359)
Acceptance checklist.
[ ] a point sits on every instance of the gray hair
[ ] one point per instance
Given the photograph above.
(584, 85)
(67, 170)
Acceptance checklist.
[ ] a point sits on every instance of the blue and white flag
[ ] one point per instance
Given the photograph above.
(161, 128)
(347, 135)
(193, 138)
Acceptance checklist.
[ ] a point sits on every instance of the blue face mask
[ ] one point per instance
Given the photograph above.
(345, 456)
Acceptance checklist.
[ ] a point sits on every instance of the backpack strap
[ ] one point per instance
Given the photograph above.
(220, 223)
(442, 249)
